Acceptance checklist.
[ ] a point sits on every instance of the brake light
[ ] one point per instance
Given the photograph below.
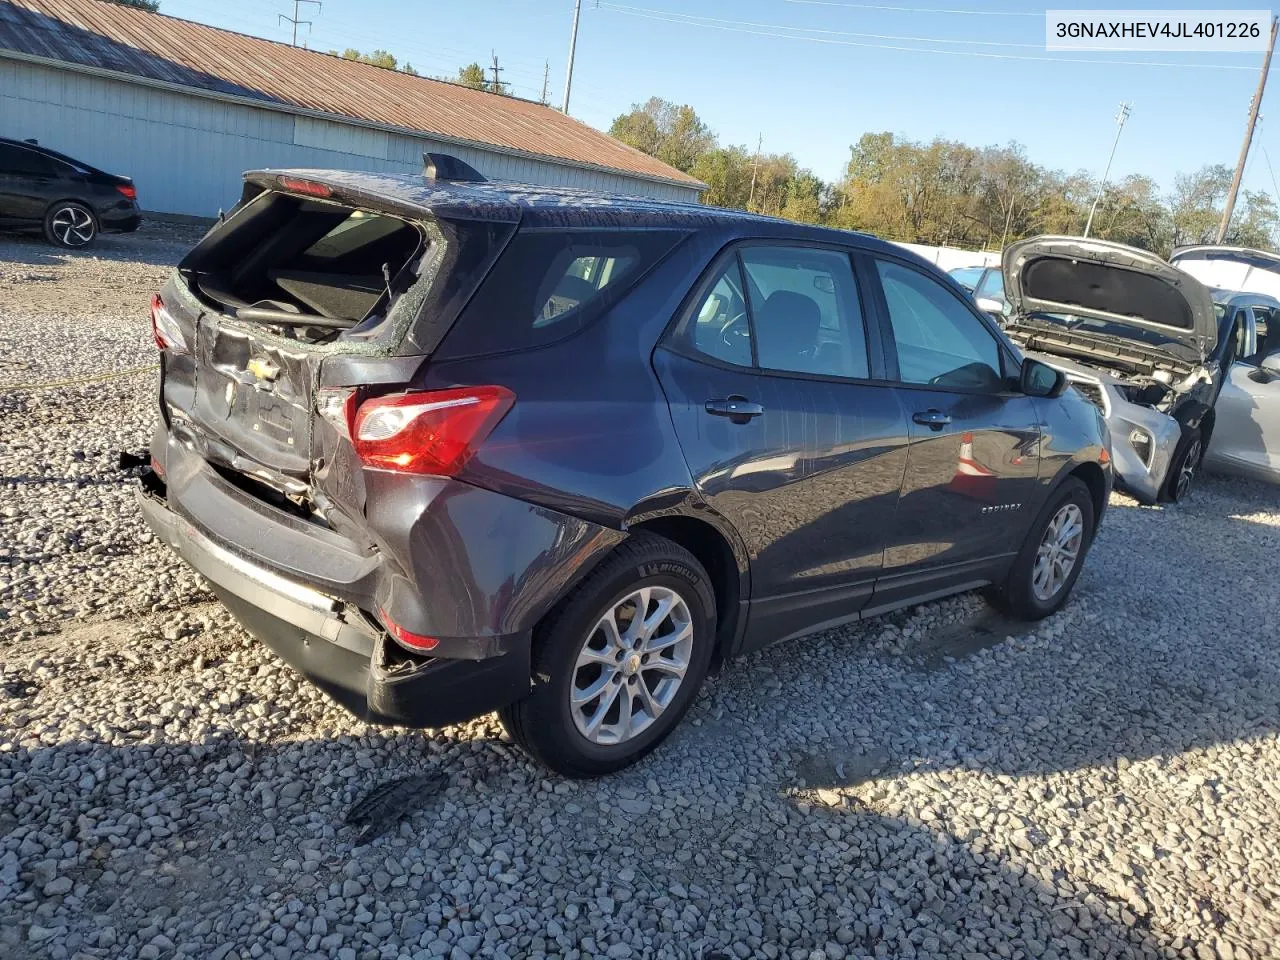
(432, 432)
(129, 191)
(308, 187)
(165, 329)
(407, 638)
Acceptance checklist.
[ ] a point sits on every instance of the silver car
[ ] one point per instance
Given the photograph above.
(1246, 438)
(1139, 338)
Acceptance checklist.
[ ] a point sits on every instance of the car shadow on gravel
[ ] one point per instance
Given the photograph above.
(111, 849)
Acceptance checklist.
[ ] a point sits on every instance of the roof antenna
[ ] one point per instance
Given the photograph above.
(444, 166)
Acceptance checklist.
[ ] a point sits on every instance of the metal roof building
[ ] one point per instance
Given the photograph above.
(184, 108)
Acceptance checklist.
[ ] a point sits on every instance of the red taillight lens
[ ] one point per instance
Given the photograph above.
(407, 638)
(430, 432)
(165, 329)
(127, 190)
(308, 187)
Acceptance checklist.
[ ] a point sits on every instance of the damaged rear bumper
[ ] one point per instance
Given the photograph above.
(333, 644)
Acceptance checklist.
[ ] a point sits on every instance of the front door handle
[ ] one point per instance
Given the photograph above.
(738, 409)
(934, 419)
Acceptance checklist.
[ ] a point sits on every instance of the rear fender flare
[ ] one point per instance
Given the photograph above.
(687, 503)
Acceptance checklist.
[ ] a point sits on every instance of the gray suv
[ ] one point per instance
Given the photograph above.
(452, 446)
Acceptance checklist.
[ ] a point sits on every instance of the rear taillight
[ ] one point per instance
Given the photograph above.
(407, 638)
(165, 329)
(430, 432)
(127, 190)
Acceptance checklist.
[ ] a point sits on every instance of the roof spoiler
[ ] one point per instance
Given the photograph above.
(444, 166)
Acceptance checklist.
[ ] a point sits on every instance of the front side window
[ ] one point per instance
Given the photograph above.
(939, 341)
(1264, 324)
(992, 285)
(805, 311)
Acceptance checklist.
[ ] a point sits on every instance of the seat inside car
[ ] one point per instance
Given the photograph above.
(787, 332)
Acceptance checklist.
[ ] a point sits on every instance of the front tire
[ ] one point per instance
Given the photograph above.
(1049, 562)
(618, 662)
(1184, 466)
(70, 225)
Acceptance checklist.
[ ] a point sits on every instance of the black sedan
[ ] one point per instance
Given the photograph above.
(69, 201)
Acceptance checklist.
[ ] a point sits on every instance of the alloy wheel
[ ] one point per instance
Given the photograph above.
(1058, 552)
(1187, 470)
(72, 226)
(631, 665)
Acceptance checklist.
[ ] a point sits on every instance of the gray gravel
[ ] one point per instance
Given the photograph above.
(940, 784)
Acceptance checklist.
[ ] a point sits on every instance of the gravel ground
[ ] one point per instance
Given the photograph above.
(939, 784)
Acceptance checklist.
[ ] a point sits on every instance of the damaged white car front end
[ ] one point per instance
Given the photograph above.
(1136, 337)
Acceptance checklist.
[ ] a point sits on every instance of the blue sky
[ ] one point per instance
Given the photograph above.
(743, 65)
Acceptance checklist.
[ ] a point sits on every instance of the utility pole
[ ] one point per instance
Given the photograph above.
(751, 199)
(297, 22)
(573, 46)
(546, 78)
(1248, 137)
(497, 85)
(1121, 117)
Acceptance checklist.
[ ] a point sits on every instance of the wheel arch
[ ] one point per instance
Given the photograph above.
(93, 212)
(1093, 477)
(724, 558)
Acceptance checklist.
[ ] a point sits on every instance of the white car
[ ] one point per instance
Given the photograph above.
(1246, 438)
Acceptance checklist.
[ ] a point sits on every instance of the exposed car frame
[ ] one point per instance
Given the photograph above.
(1137, 337)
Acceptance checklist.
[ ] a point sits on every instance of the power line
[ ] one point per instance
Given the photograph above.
(884, 46)
(297, 22)
(878, 6)
(699, 20)
(1254, 107)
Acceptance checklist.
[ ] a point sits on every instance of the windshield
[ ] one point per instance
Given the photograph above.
(967, 277)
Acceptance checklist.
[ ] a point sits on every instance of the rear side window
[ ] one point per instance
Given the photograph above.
(550, 284)
(20, 160)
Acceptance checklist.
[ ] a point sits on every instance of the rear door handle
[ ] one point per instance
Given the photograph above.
(934, 419)
(738, 409)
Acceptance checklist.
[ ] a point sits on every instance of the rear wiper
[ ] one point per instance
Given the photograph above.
(284, 318)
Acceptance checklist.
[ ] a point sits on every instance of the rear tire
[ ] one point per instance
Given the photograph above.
(587, 673)
(1184, 467)
(70, 225)
(1039, 582)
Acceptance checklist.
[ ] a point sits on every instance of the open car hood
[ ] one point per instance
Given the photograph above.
(1121, 286)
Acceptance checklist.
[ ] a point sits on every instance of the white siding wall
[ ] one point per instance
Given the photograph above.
(186, 153)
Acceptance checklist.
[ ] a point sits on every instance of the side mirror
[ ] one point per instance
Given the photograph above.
(1038, 379)
(1271, 364)
(991, 306)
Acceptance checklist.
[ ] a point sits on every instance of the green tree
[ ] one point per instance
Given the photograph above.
(946, 192)
(378, 58)
(474, 76)
(151, 6)
(671, 132)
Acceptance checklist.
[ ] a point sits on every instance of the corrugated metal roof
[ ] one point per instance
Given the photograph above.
(106, 36)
